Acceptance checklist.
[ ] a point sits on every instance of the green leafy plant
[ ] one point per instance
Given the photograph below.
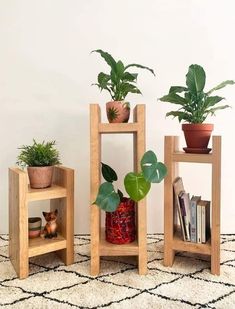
(119, 82)
(196, 104)
(137, 185)
(38, 154)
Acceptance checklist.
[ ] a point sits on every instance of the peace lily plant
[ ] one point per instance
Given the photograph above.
(137, 185)
(196, 105)
(119, 82)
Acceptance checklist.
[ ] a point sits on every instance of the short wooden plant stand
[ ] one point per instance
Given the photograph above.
(61, 196)
(99, 246)
(172, 239)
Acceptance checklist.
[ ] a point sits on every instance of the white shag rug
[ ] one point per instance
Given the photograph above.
(187, 284)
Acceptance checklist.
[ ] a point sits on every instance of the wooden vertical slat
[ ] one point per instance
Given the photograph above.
(95, 158)
(139, 150)
(215, 207)
(171, 145)
(64, 177)
(18, 222)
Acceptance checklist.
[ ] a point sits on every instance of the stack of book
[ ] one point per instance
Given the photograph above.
(194, 214)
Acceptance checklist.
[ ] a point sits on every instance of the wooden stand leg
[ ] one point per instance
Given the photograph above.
(18, 223)
(65, 177)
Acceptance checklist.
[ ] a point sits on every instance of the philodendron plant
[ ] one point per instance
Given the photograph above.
(119, 82)
(195, 104)
(137, 185)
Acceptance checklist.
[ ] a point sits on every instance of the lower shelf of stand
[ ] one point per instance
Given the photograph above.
(180, 245)
(40, 245)
(108, 249)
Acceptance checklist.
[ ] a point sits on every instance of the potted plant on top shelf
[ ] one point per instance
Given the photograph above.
(119, 82)
(39, 159)
(195, 105)
(120, 210)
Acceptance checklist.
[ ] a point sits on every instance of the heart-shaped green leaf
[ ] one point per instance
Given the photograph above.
(153, 170)
(136, 186)
(108, 173)
(107, 199)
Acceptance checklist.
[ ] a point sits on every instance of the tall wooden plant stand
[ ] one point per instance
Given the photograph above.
(172, 240)
(61, 196)
(99, 246)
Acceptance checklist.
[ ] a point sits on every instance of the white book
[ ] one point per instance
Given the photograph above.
(199, 223)
(203, 214)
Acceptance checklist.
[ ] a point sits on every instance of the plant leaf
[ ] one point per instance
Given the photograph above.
(129, 77)
(136, 186)
(120, 68)
(173, 98)
(153, 170)
(221, 85)
(107, 199)
(211, 101)
(177, 89)
(107, 57)
(181, 115)
(108, 173)
(213, 110)
(195, 79)
(140, 67)
(103, 80)
(120, 194)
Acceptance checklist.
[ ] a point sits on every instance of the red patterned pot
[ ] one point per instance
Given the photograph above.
(118, 111)
(120, 224)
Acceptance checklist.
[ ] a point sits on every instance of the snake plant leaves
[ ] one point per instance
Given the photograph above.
(153, 170)
(136, 186)
(107, 199)
(221, 85)
(108, 173)
(195, 78)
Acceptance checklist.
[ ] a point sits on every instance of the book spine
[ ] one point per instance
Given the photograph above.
(199, 223)
(193, 220)
(184, 215)
(203, 215)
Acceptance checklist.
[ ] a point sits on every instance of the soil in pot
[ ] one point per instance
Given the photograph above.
(40, 177)
(120, 224)
(117, 111)
(197, 135)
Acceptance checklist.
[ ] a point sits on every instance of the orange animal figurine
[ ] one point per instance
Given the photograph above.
(50, 229)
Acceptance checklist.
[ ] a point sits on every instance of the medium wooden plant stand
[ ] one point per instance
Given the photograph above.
(99, 246)
(61, 196)
(172, 239)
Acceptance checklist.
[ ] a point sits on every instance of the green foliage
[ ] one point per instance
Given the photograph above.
(119, 82)
(137, 185)
(195, 104)
(38, 154)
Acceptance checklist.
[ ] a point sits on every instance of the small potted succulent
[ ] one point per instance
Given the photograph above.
(120, 210)
(39, 159)
(119, 82)
(195, 105)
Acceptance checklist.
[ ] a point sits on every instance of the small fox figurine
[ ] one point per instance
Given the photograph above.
(50, 229)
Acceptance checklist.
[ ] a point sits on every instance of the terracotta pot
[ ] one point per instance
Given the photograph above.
(117, 111)
(35, 224)
(40, 177)
(120, 224)
(197, 135)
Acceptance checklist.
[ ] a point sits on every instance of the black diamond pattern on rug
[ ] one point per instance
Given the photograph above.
(188, 284)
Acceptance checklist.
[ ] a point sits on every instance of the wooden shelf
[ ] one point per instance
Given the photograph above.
(173, 241)
(46, 194)
(99, 247)
(40, 245)
(61, 196)
(118, 127)
(108, 249)
(181, 156)
(180, 245)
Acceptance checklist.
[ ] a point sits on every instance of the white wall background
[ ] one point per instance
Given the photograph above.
(46, 72)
